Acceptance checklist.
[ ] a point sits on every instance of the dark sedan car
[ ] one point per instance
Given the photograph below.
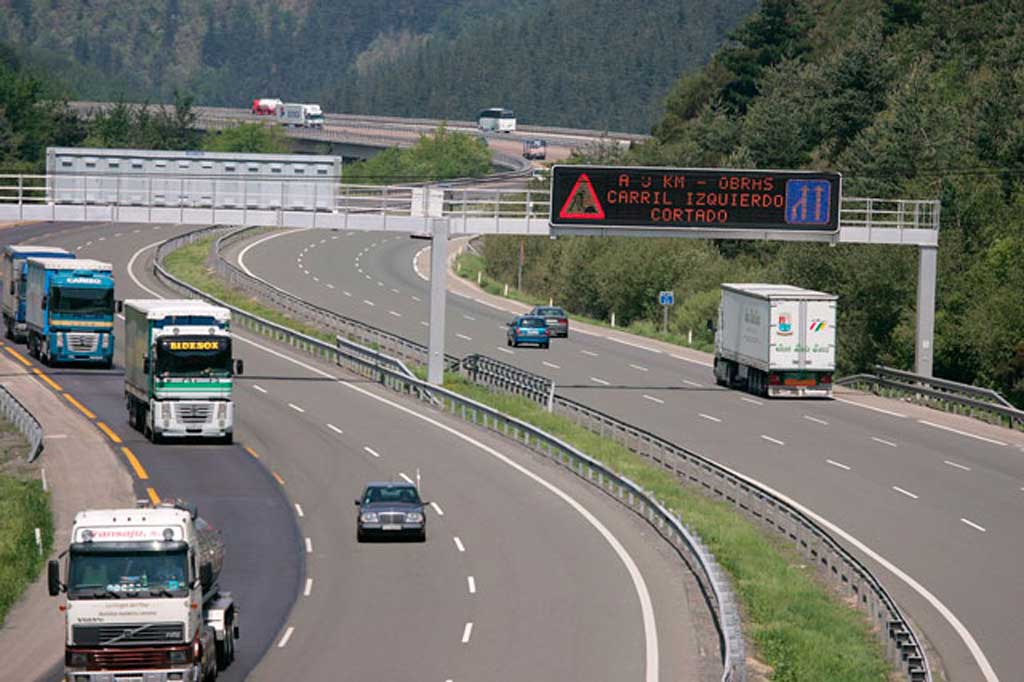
(391, 510)
(556, 318)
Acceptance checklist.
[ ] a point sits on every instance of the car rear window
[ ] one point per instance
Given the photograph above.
(551, 312)
(532, 322)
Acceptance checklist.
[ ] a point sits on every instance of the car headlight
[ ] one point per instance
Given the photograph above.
(368, 517)
(76, 659)
(178, 656)
(222, 410)
(414, 517)
(60, 340)
(165, 411)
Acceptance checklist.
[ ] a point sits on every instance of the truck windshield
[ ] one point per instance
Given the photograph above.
(96, 572)
(193, 356)
(82, 301)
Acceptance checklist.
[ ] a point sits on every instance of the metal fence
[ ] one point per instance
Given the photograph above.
(713, 580)
(950, 396)
(17, 414)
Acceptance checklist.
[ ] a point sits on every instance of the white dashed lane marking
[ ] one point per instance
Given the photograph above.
(471, 584)
(884, 442)
(772, 440)
(653, 399)
(371, 451)
(957, 466)
(287, 635)
(596, 380)
(904, 492)
(550, 364)
(973, 525)
(837, 464)
(709, 417)
(259, 388)
(298, 510)
(467, 632)
(815, 420)
(334, 428)
(458, 544)
(295, 407)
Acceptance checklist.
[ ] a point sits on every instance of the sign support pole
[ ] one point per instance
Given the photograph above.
(664, 319)
(438, 289)
(926, 275)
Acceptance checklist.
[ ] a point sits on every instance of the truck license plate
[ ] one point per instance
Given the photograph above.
(800, 382)
(391, 526)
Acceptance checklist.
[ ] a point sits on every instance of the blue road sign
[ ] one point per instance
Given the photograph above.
(667, 298)
(808, 202)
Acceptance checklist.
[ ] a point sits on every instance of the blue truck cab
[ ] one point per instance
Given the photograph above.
(14, 271)
(69, 311)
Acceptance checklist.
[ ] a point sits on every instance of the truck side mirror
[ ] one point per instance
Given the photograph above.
(358, 503)
(145, 365)
(205, 576)
(12, 287)
(239, 367)
(42, 303)
(53, 577)
(119, 306)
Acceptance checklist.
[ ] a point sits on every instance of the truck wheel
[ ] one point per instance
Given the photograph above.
(8, 331)
(228, 438)
(226, 648)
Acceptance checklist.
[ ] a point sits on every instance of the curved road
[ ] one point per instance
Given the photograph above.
(938, 496)
(528, 573)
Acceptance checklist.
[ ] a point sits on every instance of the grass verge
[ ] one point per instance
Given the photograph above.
(469, 266)
(24, 506)
(799, 627)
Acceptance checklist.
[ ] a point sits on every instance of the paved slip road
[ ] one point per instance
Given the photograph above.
(938, 496)
(514, 583)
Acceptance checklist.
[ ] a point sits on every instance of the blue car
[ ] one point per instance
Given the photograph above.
(528, 329)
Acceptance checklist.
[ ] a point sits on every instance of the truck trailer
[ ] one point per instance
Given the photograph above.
(776, 340)
(178, 369)
(301, 115)
(69, 310)
(14, 271)
(267, 107)
(142, 596)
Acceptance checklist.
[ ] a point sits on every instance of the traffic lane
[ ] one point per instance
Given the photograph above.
(480, 507)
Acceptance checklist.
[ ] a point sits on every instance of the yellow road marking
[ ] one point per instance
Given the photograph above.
(153, 497)
(19, 356)
(85, 410)
(278, 477)
(110, 434)
(140, 471)
(53, 384)
(252, 452)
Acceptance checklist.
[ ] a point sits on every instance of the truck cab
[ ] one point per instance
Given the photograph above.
(142, 598)
(69, 311)
(15, 270)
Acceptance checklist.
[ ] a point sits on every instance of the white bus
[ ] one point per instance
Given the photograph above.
(497, 119)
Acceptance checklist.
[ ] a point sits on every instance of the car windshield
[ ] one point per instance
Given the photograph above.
(194, 356)
(82, 301)
(110, 573)
(531, 322)
(396, 494)
(549, 312)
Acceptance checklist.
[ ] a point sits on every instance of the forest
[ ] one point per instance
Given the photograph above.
(916, 99)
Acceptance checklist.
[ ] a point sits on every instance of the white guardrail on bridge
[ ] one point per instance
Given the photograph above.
(713, 580)
(903, 647)
(13, 411)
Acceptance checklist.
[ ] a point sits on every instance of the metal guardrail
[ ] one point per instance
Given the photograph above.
(16, 413)
(713, 580)
(482, 369)
(949, 396)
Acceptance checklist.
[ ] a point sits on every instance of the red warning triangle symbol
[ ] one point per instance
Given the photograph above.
(582, 201)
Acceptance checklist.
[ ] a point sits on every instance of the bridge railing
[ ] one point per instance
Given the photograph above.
(23, 420)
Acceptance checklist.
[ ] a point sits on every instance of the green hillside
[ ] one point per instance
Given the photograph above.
(909, 99)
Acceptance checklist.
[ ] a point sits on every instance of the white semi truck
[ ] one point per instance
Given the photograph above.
(178, 369)
(142, 597)
(301, 115)
(776, 340)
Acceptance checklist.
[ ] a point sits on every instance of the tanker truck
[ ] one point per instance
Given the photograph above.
(142, 597)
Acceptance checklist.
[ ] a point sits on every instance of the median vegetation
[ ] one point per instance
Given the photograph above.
(24, 506)
(443, 155)
(799, 627)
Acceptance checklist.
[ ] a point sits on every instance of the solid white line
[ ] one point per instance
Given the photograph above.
(642, 369)
(295, 407)
(406, 478)
(467, 633)
(772, 440)
(653, 399)
(334, 428)
(464, 337)
(905, 492)
(371, 451)
(884, 442)
(309, 546)
(958, 466)
(693, 383)
(437, 508)
(298, 510)
(369, 303)
(872, 408)
(287, 636)
(550, 364)
(458, 544)
(837, 464)
(599, 381)
(468, 317)
(471, 582)
(309, 587)
(815, 420)
(962, 433)
(259, 388)
(751, 401)
(972, 524)
(506, 350)
(650, 630)
(709, 417)
(392, 312)
(590, 353)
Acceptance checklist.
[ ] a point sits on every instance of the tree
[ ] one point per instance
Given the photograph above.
(248, 137)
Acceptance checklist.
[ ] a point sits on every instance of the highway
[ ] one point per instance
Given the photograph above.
(938, 496)
(528, 573)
